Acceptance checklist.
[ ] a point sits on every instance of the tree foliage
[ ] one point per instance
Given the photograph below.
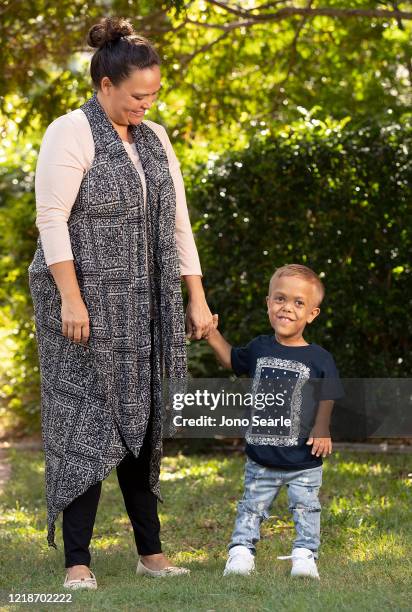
(226, 64)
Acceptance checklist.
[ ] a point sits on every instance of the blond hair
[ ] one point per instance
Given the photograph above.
(303, 272)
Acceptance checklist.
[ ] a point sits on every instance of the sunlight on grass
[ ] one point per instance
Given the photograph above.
(364, 504)
(105, 542)
(276, 525)
(367, 548)
(361, 469)
(407, 482)
(165, 476)
(21, 524)
(187, 556)
(121, 521)
(165, 517)
(179, 468)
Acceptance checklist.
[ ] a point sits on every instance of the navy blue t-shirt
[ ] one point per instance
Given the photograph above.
(267, 362)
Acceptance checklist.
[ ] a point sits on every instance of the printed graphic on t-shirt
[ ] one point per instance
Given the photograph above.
(277, 408)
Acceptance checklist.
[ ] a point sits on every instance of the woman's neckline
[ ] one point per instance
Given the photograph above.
(290, 346)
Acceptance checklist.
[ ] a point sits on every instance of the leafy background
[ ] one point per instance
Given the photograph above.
(301, 119)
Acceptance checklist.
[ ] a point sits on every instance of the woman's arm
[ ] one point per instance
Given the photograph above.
(198, 315)
(65, 153)
(185, 242)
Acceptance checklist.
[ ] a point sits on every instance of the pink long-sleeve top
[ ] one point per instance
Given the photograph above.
(66, 154)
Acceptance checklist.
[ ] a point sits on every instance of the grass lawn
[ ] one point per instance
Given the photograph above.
(365, 561)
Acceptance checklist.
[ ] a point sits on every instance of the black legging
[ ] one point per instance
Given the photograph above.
(140, 502)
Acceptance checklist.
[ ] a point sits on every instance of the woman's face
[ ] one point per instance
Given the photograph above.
(128, 101)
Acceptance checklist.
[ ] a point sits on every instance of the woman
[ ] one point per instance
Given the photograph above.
(115, 238)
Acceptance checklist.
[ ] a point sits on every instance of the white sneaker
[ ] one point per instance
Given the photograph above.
(303, 563)
(241, 561)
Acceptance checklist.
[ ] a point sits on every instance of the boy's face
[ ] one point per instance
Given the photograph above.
(292, 304)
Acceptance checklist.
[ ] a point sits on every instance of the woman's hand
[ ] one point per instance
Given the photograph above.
(199, 319)
(75, 319)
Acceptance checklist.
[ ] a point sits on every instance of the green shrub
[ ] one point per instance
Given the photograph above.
(334, 199)
(19, 377)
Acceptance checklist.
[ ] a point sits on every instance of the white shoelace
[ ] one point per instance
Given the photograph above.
(293, 557)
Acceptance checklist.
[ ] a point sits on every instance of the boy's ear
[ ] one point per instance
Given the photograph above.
(315, 312)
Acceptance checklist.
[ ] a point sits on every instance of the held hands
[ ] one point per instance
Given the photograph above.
(199, 320)
(215, 322)
(75, 319)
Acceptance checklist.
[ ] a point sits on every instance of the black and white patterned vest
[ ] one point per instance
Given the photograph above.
(96, 399)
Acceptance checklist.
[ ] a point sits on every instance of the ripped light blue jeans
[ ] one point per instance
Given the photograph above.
(262, 485)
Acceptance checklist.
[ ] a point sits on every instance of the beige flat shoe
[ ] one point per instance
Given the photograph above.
(142, 570)
(81, 583)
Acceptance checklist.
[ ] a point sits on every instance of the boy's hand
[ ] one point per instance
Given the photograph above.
(321, 446)
(214, 326)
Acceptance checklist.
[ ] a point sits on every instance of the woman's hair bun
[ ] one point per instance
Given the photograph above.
(109, 29)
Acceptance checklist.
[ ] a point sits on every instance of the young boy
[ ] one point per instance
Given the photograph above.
(295, 293)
